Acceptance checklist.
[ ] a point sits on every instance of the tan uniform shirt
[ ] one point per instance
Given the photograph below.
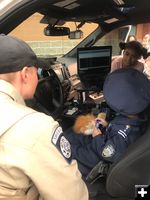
(34, 152)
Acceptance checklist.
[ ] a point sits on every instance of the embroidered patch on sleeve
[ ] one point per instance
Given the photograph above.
(123, 132)
(62, 144)
(108, 151)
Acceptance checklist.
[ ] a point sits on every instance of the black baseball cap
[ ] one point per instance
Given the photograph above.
(127, 91)
(16, 54)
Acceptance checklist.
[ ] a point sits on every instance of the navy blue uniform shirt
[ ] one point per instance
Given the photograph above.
(121, 132)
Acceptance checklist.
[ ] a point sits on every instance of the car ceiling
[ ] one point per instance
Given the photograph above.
(108, 13)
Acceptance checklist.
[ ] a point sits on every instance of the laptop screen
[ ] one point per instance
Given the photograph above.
(94, 58)
(93, 64)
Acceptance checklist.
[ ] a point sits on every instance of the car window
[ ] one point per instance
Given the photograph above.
(114, 37)
(32, 31)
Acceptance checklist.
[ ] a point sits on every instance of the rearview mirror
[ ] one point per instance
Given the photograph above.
(78, 34)
(56, 31)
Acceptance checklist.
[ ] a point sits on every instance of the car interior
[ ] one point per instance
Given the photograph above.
(72, 83)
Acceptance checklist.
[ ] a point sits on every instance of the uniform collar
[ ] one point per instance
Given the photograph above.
(8, 89)
(121, 119)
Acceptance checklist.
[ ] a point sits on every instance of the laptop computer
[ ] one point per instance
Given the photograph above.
(93, 65)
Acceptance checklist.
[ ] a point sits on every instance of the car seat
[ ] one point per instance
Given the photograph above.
(133, 169)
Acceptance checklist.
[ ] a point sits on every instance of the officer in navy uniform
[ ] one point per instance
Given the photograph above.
(127, 92)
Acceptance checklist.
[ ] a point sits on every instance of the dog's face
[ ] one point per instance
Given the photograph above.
(84, 124)
(88, 128)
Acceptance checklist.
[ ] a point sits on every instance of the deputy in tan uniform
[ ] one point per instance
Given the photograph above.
(35, 157)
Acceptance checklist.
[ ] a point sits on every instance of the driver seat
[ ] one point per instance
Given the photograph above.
(133, 169)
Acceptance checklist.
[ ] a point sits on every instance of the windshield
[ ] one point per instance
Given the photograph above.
(32, 31)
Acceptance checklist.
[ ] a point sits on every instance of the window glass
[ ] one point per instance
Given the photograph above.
(32, 31)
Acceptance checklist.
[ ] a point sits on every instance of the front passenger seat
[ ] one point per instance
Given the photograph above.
(133, 169)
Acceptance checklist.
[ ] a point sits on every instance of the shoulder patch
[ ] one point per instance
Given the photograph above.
(62, 144)
(108, 151)
(58, 131)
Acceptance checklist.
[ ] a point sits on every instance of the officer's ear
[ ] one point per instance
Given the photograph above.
(25, 74)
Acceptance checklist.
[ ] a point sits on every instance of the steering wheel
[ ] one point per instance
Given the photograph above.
(49, 97)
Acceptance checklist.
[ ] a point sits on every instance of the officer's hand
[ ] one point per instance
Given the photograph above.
(102, 121)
